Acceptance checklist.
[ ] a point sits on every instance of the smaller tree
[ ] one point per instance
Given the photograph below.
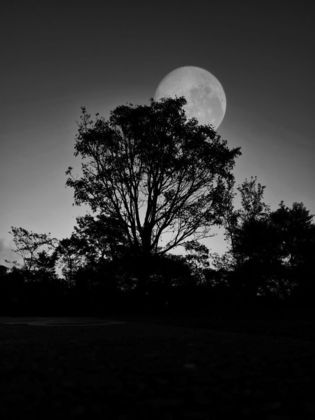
(38, 252)
(296, 235)
(253, 208)
(197, 255)
(272, 250)
(246, 231)
(295, 227)
(96, 240)
(103, 237)
(71, 256)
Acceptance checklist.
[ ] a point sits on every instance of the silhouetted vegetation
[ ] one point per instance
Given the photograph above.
(270, 251)
(160, 177)
(155, 181)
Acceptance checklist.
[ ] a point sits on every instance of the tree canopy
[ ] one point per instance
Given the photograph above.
(160, 177)
(270, 252)
(38, 251)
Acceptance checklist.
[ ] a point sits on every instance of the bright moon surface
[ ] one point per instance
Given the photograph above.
(204, 93)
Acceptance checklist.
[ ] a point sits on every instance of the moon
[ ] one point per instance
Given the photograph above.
(206, 100)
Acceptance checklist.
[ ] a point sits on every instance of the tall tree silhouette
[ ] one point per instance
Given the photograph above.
(253, 209)
(251, 250)
(161, 177)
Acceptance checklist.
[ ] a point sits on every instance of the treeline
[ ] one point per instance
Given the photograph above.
(269, 266)
(155, 181)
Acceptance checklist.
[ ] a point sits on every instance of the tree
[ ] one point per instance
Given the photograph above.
(161, 177)
(273, 251)
(251, 237)
(198, 257)
(95, 240)
(38, 251)
(71, 256)
(97, 233)
(253, 209)
(296, 229)
(296, 233)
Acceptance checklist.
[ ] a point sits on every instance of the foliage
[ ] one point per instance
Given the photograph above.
(296, 230)
(147, 275)
(155, 180)
(38, 251)
(270, 250)
(197, 256)
(161, 177)
(94, 241)
(252, 208)
(71, 256)
(104, 239)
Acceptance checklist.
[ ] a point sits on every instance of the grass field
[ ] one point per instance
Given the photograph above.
(158, 370)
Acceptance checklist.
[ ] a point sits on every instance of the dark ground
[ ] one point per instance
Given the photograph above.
(159, 369)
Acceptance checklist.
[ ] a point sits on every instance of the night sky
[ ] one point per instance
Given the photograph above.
(58, 56)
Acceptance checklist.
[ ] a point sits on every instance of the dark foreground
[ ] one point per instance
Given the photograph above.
(152, 370)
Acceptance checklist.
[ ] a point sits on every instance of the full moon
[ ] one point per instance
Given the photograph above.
(203, 92)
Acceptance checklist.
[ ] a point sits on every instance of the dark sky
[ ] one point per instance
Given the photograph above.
(57, 56)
